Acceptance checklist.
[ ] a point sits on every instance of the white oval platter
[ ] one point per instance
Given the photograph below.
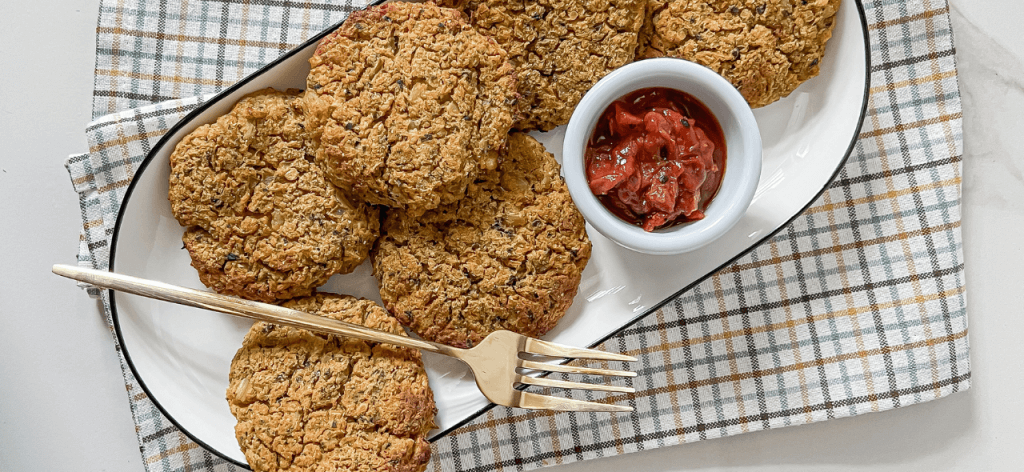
(181, 355)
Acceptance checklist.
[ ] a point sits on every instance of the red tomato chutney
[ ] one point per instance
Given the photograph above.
(656, 158)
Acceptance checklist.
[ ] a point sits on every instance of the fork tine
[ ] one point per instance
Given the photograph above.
(544, 366)
(533, 401)
(545, 348)
(546, 382)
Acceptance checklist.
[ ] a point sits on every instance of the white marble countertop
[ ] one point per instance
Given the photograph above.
(62, 399)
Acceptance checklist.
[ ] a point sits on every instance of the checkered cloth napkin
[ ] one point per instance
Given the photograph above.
(857, 306)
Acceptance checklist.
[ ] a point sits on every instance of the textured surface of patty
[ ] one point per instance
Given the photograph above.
(414, 104)
(263, 221)
(308, 402)
(508, 256)
(766, 48)
(560, 48)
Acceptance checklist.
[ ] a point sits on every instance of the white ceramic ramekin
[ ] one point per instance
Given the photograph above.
(742, 142)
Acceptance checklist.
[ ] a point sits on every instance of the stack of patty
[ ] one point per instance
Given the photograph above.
(407, 117)
(408, 106)
(406, 114)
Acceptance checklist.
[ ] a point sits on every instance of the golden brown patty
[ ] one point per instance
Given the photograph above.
(414, 103)
(308, 402)
(263, 221)
(766, 48)
(508, 256)
(560, 48)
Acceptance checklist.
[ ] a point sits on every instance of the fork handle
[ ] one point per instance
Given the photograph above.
(240, 307)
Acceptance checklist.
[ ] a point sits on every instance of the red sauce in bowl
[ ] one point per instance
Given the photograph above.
(656, 158)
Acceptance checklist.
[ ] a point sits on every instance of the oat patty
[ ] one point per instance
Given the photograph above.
(508, 256)
(560, 48)
(263, 221)
(414, 104)
(308, 402)
(766, 48)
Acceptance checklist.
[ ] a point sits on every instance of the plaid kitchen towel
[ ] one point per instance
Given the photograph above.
(857, 306)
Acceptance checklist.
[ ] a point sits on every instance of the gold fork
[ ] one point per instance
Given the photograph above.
(497, 362)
